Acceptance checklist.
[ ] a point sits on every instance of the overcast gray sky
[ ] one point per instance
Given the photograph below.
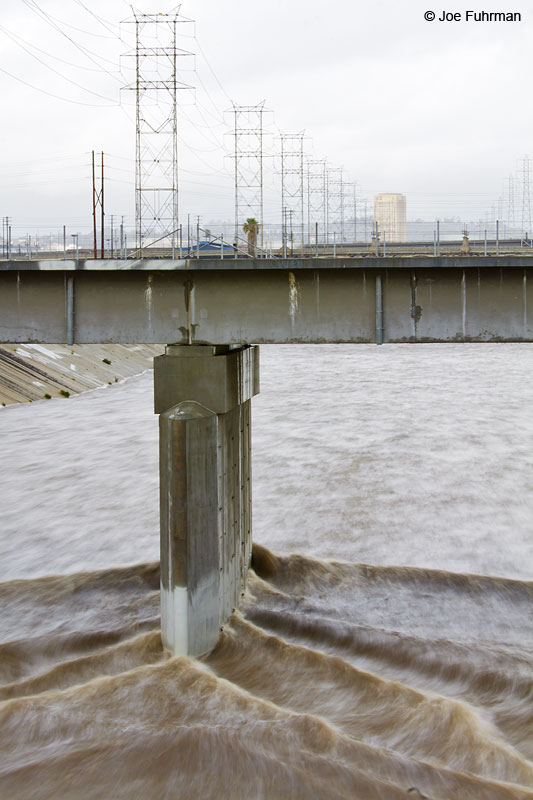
(438, 110)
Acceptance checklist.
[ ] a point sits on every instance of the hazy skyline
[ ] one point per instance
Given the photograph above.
(435, 110)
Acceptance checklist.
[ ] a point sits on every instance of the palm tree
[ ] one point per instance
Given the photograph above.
(251, 228)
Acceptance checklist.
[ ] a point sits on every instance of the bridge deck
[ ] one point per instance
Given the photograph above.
(242, 301)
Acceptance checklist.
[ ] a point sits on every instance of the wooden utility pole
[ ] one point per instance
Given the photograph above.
(98, 200)
(102, 209)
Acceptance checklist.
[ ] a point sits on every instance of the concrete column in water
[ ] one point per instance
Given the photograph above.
(203, 395)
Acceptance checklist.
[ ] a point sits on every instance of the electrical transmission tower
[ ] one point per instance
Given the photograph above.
(316, 197)
(335, 202)
(355, 204)
(510, 201)
(156, 91)
(292, 185)
(350, 208)
(248, 156)
(526, 202)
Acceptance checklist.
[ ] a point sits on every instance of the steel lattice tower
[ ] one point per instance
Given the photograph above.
(526, 202)
(292, 183)
(510, 200)
(349, 209)
(335, 202)
(248, 157)
(156, 157)
(355, 211)
(316, 196)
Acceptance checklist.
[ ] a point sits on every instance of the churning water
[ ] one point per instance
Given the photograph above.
(390, 658)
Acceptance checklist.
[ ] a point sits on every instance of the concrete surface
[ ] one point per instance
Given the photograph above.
(205, 489)
(268, 301)
(29, 372)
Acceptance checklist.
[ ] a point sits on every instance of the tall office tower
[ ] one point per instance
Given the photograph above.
(390, 213)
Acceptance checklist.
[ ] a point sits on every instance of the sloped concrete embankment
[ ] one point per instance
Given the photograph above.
(31, 372)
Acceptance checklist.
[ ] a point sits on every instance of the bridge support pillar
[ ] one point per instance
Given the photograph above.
(203, 396)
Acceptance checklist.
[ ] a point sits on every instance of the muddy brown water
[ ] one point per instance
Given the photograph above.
(391, 658)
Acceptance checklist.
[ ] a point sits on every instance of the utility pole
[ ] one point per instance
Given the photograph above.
(198, 237)
(94, 209)
(98, 201)
(102, 210)
(6, 237)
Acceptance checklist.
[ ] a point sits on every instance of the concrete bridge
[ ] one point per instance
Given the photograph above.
(213, 314)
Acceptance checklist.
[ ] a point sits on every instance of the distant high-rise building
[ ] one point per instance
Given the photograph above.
(390, 213)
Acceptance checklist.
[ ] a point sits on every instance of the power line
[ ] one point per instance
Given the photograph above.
(101, 20)
(33, 6)
(64, 77)
(57, 96)
(49, 55)
(212, 70)
(79, 30)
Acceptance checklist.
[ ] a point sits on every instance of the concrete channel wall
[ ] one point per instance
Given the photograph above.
(30, 372)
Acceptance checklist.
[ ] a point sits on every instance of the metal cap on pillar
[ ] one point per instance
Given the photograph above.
(217, 376)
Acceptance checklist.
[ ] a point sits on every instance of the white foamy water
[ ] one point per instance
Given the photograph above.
(372, 666)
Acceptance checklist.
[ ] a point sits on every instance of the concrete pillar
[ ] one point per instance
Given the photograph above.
(203, 395)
